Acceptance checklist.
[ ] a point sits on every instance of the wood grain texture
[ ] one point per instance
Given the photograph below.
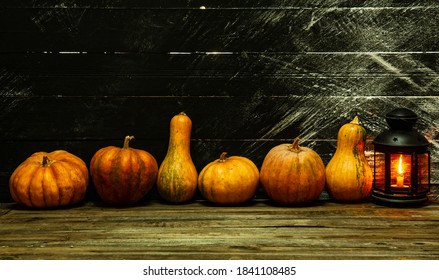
(214, 118)
(226, 4)
(197, 74)
(199, 230)
(255, 28)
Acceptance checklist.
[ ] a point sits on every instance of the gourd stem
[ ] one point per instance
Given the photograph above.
(295, 146)
(355, 120)
(46, 161)
(223, 157)
(127, 141)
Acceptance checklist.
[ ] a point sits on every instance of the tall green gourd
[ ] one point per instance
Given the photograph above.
(348, 174)
(177, 176)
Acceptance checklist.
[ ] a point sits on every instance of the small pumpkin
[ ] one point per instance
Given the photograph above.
(47, 180)
(348, 174)
(291, 174)
(177, 176)
(123, 176)
(229, 180)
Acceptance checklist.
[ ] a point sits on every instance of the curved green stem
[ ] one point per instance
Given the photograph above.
(126, 142)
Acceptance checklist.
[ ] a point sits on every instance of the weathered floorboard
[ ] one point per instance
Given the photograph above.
(198, 230)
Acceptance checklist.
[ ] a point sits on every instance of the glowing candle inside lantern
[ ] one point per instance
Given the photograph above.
(400, 175)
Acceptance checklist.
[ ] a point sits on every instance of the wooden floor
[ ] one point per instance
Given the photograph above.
(199, 230)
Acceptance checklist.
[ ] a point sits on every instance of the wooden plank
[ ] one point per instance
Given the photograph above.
(220, 29)
(269, 74)
(250, 252)
(33, 118)
(200, 231)
(256, 117)
(212, 64)
(5, 208)
(214, 4)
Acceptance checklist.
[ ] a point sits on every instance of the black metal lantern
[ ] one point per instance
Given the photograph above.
(401, 162)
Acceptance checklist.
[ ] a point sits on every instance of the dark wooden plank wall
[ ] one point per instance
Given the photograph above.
(80, 75)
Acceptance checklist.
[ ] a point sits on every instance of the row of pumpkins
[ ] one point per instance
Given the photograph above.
(290, 174)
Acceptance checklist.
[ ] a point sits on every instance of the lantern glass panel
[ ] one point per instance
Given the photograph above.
(422, 160)
(400, 172)
(379, 171)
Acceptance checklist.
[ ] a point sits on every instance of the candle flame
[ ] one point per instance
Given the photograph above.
(400, 171)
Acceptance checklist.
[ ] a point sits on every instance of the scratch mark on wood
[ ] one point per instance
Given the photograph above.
(13, 84)
(316, 16)
(389, 67)
(62, 18)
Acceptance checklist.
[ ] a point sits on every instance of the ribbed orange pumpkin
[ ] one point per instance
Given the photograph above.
(177, 177)
(46, 180)
(123, 176)
(291, 174)
(229, 180)
(348, 174)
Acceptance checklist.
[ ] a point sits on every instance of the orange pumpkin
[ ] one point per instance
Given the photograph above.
(229, 180)
(348, 174)
(123, 176)
(46, 180)
(292, 174)
(177, 177)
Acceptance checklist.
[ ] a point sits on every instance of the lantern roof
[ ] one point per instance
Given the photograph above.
(401, 134)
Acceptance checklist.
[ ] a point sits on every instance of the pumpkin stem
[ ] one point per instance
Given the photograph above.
(127, 141)
(355, 120)
(46, 161)
(223, 157)
(183, 113)
(295, 146)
